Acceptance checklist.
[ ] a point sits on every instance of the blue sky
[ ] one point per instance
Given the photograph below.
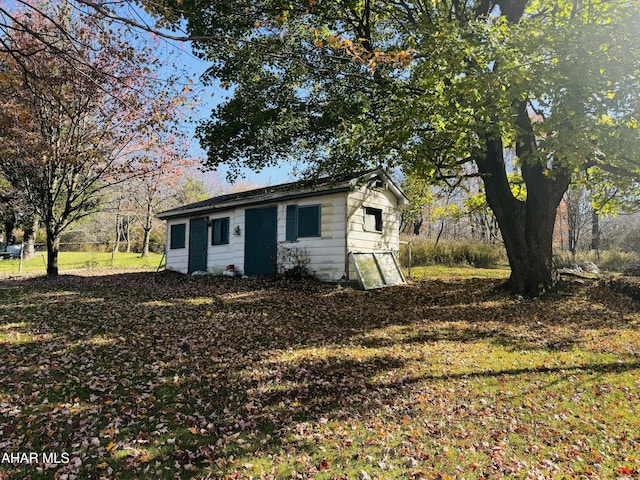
(188, 66)
(210, 96)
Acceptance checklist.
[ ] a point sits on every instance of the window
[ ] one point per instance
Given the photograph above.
(220, 231)
(303, 221)
(178, 235)
(372, 219)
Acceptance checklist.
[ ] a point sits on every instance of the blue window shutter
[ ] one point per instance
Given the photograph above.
(292, 222)
(215, 232)
(178, 235)
(224, 234)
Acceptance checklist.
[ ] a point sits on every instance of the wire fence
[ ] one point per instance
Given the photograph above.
(75, 255)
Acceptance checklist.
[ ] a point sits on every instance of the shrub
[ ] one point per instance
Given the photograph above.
(293, 262)
(424, 252)
(156, 242)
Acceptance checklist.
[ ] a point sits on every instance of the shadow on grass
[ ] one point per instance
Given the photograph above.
(163, 375)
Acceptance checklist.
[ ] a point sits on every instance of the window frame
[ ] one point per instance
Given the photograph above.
(293, 222)
(174, 244)
(224, 223)
(377, 214)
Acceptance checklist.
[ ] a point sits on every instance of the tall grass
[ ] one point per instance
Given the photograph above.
(453, 254)
(609, 260)
(481, 255)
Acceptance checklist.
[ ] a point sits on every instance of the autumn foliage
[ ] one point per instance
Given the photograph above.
(82, 110)
(166, 376)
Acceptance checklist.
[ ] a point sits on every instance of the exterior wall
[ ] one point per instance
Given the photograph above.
(219, 256)
(326, 253)
(178, 259)
(342, 230)
(359, 239)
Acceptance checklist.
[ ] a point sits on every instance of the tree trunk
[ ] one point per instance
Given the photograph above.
(29, 239)
(127, 232)
(595, 232)
(440, 232)
(526, 226)
(116, 243)
(574, 200)
(417, 224)
(572, 229)
(53, 246)
(145, 243)
(529, 247)
(561, 230)
(147, 231)
(9, 226)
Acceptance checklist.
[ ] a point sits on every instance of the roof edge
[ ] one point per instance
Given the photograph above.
(277, 193)
(169, 214)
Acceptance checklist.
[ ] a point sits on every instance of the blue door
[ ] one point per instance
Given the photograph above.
(197, 245)
(260, 241)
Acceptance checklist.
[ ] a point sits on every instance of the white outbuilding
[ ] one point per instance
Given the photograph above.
(311, 224)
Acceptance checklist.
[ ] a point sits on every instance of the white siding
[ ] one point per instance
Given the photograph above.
(359, 239)
(342, 229)
(219, 256)
(326, 253)
(237, 241)
(178, 258)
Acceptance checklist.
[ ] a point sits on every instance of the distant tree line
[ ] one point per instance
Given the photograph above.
(586, 220)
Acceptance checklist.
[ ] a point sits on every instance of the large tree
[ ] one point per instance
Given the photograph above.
(547, 89)
(72, 125)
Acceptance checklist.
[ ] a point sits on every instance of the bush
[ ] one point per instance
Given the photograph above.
(610, 260)
(293, 262)
(479, 255)
(156, 242)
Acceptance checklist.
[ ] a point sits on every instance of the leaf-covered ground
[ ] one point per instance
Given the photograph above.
(144, 375)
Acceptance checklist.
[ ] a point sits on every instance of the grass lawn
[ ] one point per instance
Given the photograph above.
(79, 260)
(144, 375)
(454, 273)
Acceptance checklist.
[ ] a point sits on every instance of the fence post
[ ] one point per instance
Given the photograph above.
(408, 243)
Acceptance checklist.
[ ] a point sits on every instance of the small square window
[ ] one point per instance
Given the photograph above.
(177, 235)
(220, 231)
(372, 219)
(309, 221)
(302, 221)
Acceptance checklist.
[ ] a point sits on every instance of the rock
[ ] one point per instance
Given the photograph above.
(589, 267)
